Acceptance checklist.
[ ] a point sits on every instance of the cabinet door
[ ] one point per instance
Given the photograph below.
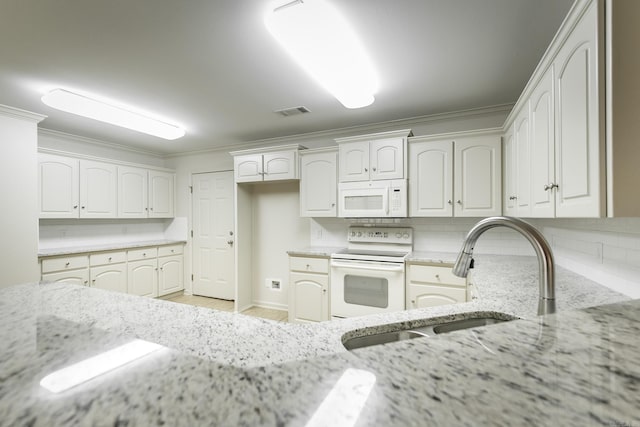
(542, 148)
(523, 163)
(142, 278)
(248, 168)
(353, 160)
(58, 186)
(509, 167)
(477, 176)
(309, 297)
(111, 277)
(98, 190)
(579, 134)
(132, 192)
(422, 296)
(75, 277)
(387, 158)
(431, 179)
(318, 186)
(279, 166)
(161, 194)
(170, 272)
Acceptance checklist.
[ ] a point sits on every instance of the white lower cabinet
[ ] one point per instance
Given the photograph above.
(108, 270)
(69, 269)
(147, 271)
(170, 272)
(433, 285)
(308, 289)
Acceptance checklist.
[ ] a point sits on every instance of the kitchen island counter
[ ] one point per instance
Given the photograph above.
(577, 367)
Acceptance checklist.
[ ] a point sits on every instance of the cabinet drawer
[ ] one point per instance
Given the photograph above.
(107, 258)
(433, 274)
(140, 254)
(309, 265)
(170, 250)
(64, 263)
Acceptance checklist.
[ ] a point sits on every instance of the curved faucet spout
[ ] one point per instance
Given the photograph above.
(540, 245)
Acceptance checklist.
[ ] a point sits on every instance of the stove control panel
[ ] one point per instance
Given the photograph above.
(402, 235)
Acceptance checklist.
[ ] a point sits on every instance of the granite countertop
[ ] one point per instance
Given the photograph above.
(319, 251)
(577, 367)
(71, 250)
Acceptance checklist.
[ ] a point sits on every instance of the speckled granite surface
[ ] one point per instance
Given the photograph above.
(324, 251)
(106, 247)
(574, 368)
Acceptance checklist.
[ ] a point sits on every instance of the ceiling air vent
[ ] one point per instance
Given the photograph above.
(293, 111)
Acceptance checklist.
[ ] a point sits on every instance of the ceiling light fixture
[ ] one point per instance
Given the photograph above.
(107, 112)
(322, 42)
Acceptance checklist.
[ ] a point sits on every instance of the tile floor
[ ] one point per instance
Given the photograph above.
(224, 305)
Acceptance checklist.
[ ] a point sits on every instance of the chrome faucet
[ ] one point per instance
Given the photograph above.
(546, 304)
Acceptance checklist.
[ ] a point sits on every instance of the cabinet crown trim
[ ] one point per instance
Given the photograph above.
(78, 156)
(288, 147)
(453, 135)
(404, 133)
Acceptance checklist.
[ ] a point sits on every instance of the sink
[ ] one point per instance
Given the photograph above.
(432, 328)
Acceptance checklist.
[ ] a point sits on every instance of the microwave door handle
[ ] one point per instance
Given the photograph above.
(368, 266)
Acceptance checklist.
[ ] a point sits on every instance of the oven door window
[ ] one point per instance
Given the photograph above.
(367, 291)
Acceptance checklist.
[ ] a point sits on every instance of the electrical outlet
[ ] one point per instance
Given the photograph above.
(273, 284)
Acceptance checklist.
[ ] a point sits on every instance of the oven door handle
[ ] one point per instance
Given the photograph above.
(368, 266)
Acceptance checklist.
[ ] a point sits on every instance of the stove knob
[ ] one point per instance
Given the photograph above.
(359, 234)
(398, 235)
(405, 235)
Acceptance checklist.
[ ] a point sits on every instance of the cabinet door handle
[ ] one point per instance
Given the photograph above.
(366, 170)
(551, 186)
(449, 202)
(459, 202)
(374, 169)
(75, 206)
(324, 291)
(82, 207)
(514, 197)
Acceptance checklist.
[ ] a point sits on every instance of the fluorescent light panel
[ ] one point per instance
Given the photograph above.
(324, 45)
(92, 367)
(85, 106)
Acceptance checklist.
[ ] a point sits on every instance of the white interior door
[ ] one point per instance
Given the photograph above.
(213, 239)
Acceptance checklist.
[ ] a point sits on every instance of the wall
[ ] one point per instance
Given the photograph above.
(277, 228)
(18, 177)
(606, 250)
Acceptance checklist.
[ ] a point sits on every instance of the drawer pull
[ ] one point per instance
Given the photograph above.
(67, 264)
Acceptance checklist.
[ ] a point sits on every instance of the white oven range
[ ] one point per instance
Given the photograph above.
(368, 277)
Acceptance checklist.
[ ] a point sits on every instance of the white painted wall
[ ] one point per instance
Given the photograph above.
(92, 147)
(277, 228)
(18, 178)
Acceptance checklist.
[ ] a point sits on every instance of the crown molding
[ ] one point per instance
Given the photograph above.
(17, 113)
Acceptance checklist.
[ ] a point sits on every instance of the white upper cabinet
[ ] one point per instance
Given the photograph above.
(455, 175)
(266, 164)
(431, 178)
(318, 186)
(58, 182)
(132, 192)
(558, 155)
(161, 194)
(579, 143)
(373, 157)
(477, 176)
(509, 172)
(79, 188)
(542, 149)
(523, 162)
(98, 190)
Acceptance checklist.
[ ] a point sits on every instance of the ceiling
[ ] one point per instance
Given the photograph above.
(211, 66)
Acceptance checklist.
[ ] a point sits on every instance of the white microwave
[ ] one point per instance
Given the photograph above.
(373, 199)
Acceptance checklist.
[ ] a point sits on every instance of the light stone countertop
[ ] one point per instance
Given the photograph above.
(71, 250)
(577, 367)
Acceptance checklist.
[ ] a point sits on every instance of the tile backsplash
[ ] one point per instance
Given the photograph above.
(605, 250)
